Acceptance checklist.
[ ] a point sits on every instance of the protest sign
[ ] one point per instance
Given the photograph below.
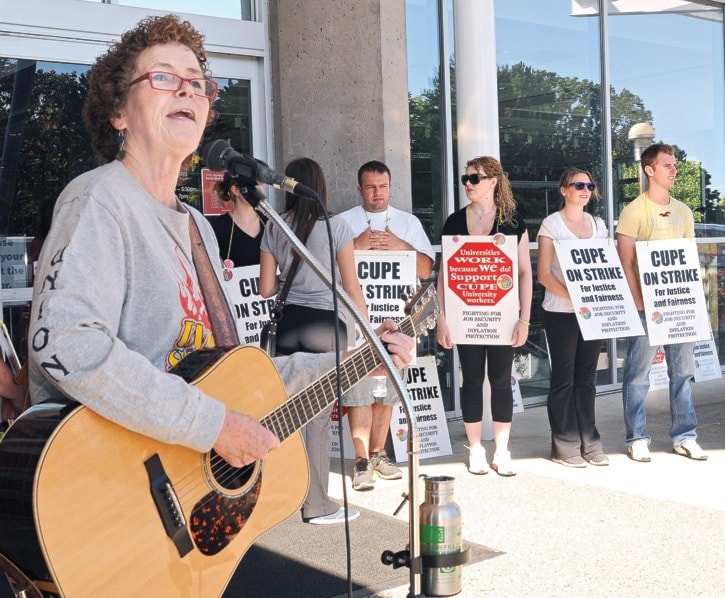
(249, 306)
(674, 300)
(430, 416)
(346, 435)
(212, 204)
(598, 288)
(388, 280)
(658, 378)
(515, 389)
(707, 364)
(14, 272)
(424, 390)
(481, 288)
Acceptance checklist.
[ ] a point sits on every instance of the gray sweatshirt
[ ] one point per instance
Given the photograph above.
(117, 303)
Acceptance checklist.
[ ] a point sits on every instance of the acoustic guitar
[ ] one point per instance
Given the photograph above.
(99, 510)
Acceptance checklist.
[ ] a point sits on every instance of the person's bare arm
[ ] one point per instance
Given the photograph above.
(390, 241)
(627, 250)
(268, 280)
(443, 333)
(11, 395)
(543, 269)
(350, 281)
(526, 285)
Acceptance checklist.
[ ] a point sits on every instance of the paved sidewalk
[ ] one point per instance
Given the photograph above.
(629, 529)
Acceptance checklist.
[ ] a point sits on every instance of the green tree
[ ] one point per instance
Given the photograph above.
(691, 187)
(548, 123)
(55, 145)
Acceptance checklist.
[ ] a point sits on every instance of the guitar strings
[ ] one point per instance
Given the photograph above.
(299, 410)
(283, 421)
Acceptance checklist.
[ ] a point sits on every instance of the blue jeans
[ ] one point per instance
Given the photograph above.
(680, 369)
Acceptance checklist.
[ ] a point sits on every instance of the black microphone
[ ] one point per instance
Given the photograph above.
(220, 155)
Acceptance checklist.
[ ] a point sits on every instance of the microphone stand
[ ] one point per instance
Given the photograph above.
(259, 202)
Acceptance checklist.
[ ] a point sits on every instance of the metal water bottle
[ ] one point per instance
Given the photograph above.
(440, 533)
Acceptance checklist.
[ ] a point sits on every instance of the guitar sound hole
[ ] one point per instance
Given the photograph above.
(228, 477)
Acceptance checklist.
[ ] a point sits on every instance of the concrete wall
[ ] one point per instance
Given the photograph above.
(340, 90)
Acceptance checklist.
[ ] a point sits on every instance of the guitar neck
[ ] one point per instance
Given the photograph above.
(311, 401)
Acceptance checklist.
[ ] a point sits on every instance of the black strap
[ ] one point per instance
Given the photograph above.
(276, 314)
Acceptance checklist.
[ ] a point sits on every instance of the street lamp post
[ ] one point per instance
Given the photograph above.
(642, 135)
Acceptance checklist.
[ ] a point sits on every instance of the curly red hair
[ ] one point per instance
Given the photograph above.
(109, 78)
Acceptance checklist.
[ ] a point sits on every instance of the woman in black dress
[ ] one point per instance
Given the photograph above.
(239, 231)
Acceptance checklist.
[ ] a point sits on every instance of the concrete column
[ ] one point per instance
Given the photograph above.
(476, 105)
(340, 90)
(476, 80)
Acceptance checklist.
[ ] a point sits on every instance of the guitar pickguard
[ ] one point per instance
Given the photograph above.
(216, 519)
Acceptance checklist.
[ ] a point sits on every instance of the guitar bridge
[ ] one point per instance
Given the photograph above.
(168, 506)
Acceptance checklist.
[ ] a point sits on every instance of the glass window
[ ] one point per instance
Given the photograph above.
(550, 119)
(677, 79)
(43, 133)
(428, 146)
(233, 123)
(229, 9)
(427, 131)
(45, 144)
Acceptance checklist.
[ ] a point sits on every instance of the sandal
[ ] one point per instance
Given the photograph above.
(502, 465)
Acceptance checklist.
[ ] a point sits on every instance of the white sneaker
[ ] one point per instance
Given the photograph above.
(639, 451)
(477, 463)
(336, 517)
(690, 449)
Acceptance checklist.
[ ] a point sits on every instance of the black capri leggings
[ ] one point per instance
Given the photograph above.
(473, 363)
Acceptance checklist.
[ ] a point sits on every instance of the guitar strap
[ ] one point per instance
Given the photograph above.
(222, 323)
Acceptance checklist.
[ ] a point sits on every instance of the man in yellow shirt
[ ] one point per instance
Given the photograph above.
(655, 215)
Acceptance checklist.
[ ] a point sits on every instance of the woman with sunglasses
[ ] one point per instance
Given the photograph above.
(575, 440)
(492, 210)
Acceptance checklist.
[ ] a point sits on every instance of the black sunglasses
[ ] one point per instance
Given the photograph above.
(580, 186)
(475, 178)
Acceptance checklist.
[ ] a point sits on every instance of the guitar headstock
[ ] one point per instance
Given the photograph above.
(423, 309)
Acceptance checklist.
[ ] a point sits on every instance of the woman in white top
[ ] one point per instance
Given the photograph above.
(575, 440)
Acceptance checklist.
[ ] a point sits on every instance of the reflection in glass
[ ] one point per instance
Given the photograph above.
(428, 146)
(427, 134)
(233, 124)
(678, 80)
(228, 9)
(550, 119)
(671, 62)
(45, 143)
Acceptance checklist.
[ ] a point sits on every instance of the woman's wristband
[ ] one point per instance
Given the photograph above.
(524, 322)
